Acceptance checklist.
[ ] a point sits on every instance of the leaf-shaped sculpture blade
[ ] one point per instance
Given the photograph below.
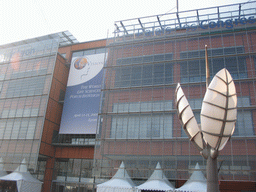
(188, 119)
(218, 114)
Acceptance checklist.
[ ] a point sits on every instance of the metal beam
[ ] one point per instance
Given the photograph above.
(198, 20)
(67, 37)
(124, 27)
(178, 19)
(159, 22)
(141, 25)
(117, 28)
(218, 9)
(239, 10)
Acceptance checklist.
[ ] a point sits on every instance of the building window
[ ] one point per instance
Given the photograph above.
(143, 75)
(145, 106)
(141, 126)
(26, 87)
(144, 59)
(235, 65)
(212, 52)
(194, 70)
(244, 124)
(88, 52)
(20, 128)
(73, 169)
(144, 126)
(243, 101)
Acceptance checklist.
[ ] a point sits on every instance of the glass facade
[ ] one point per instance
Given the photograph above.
(26, 72)
(74, 169)
(73, 175)
(138, 123)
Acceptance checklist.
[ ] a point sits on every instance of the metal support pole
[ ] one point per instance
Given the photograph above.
(212, 170)
(207, 70)
(177, 5)
(212, 173)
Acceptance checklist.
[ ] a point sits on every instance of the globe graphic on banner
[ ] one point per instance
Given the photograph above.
(80, 63)
(85, 68)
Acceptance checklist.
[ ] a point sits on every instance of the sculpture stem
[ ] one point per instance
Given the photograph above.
(212, 174)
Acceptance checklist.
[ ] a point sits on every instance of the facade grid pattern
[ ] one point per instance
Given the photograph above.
(138, 123)
(25, 81)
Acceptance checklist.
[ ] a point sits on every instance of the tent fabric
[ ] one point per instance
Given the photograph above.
(28, 186)
(17, 176)
(114, 189)
(156, 182)
(25, 181)
(2, 171)
(196, 183)
(120, 182)
(22, 167)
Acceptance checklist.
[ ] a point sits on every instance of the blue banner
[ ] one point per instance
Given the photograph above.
(82, 99)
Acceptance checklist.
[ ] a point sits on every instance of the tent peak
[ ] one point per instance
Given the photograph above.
(196, 182)
(197, 175)
(197, 166)
(22, 167)
(122, 165)
(157, 181)
(158, 166)
(120, 180)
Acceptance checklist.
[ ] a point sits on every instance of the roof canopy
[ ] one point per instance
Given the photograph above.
(157, 181)
(196, 183)
(25, 181)
(121, 181)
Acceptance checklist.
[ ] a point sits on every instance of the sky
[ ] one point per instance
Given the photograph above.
(87, 20)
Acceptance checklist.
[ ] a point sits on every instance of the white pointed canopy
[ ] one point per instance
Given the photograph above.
(120, 182)
(25, 181)
(196, 183)
(157, 181)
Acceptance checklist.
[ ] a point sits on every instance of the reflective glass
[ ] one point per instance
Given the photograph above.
(23, 76)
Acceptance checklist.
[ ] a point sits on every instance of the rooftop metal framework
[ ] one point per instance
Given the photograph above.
(179, 20)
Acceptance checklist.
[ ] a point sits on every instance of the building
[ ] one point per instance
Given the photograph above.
(137, 122)
(33, 79)
(34, 76)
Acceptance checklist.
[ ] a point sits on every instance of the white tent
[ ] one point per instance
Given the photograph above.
(156, 182)
(120, 182)
(196, 183)
(2, 171)
(25, 181)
